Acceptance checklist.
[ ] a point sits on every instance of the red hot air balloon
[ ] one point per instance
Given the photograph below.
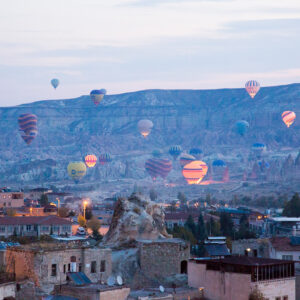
(194, 172)
(28, 124)
(90, 160)
(288, 117)
(252, 87)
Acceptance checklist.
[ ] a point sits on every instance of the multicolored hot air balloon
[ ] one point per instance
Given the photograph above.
(158, 167)
(288, 117)
(28, 124)
(218, 167)
(97, 95)
(90, 160)
(55, 82)
(241, 127)
(145, 127)
(196, 152)
(185, 159)
(76, 170)
(194, 172)
(175, 151)
(258, 149)
(252, 87)
(104, 158)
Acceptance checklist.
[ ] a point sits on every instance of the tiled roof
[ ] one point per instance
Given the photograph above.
(283, 243)
(48, 220)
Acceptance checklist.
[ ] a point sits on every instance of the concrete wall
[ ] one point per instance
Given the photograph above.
(159, 259)
(7, 290)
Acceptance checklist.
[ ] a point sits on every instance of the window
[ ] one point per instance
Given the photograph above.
(102, 266)
(69, 267)
(93, 266)
(2, 229)
(277, 298)
(66, 228)
(10, 228)
(287, 257)
(53, 270)
(45, 228)
(9, 203)
(28, 227)
(79, 267)
(55, 228)
(285, 297)
(64, 269)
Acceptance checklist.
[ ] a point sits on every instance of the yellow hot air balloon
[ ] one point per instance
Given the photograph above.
(76, 170)
(90, 160)
(194, 172)
(288, 117)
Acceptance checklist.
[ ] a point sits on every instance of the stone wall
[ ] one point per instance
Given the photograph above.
(260, 245)
(163, 258)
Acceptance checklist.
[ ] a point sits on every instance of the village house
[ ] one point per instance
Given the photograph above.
(236, 277)
(10, 199)
(34, 226)
(36, 194)
(49, 263)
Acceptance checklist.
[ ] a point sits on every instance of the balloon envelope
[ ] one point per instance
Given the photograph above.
(241, 127)
(288, 117)
(145, 127)
(175, 151)
(90, 160)
(97, 95)
(194, 172)
(104, 158)
(28, 124)
(158, 167)
(252, 87)
(76, 170)
(55, 82)
(185, 159)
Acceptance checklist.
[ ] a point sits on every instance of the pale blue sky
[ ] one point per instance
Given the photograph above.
(129, 45)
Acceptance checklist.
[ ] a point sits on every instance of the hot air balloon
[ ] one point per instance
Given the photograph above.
(104, 158)
(194, 172)
(90, 160)
(157, 153)
(288, 117)
(97, 95)
(158, 167)
(185, 159)
(258, 149)
(55, 82)
(218, 167)
(252, 87)
(76, 170)
(175, 151)
(145, 127)
(241, 127)
(196, 152)
(28, 124)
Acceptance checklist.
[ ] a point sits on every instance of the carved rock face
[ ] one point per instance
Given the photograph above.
(135, 218)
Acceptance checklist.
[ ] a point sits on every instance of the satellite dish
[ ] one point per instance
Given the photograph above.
(119, 280)
(111, 281)
(161, 289)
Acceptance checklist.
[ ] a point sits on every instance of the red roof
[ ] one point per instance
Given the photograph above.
(283, 243)
(48, 220)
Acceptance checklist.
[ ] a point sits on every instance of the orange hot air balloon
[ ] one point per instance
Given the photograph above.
(288, 117)
(90, 160)
(194, 172)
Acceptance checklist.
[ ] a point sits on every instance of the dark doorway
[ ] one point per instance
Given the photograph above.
(183, 267)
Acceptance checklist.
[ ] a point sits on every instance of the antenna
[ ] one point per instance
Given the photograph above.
(111, 281)
(161, 289)
(119, 280)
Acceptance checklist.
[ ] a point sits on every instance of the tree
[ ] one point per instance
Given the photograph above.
(183, 233)
(208, 199)
(182, 198)
(244, 230)
(190, 225)
(81, 220)
(200, 229)
(63, 212)
(88, 213)
(44, 200)
(153, 195)
(292, 207)
(213, 227)
(226, 224)
(94, 224)
(256, 295)
(11, 212)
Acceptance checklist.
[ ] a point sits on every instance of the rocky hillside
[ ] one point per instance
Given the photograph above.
(68, 129)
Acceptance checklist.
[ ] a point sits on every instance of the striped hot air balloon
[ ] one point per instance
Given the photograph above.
(76, 170)
(252, 87)
(158, 167)
(28, 124)
(145, 127)
(185, 159)
(194, 172)
(175, 151)
(288, 117)
(104, 158)
(97, 95)
(90, 160)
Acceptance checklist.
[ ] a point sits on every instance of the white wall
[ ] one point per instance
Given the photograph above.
(8, 290)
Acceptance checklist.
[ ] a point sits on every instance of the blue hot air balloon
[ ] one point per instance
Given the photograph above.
(55, 82)
(175, 151)
(241, 127)
(197, 152)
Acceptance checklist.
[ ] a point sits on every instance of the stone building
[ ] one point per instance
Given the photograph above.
(163, 257)
(48, 263)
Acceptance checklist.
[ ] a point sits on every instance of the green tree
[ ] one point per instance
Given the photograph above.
(182, 198)
(94, 224)
(200, 229)
(153, 195)
(226, 224)
(213, 227)
(244, 230)
(44, 200)
(256, 295)
(190, 225)
(81, 220)
(208, 199)
(292, 207)
(184, 233)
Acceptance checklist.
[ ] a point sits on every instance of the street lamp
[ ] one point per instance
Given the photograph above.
(84, 207)
(58, 205)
